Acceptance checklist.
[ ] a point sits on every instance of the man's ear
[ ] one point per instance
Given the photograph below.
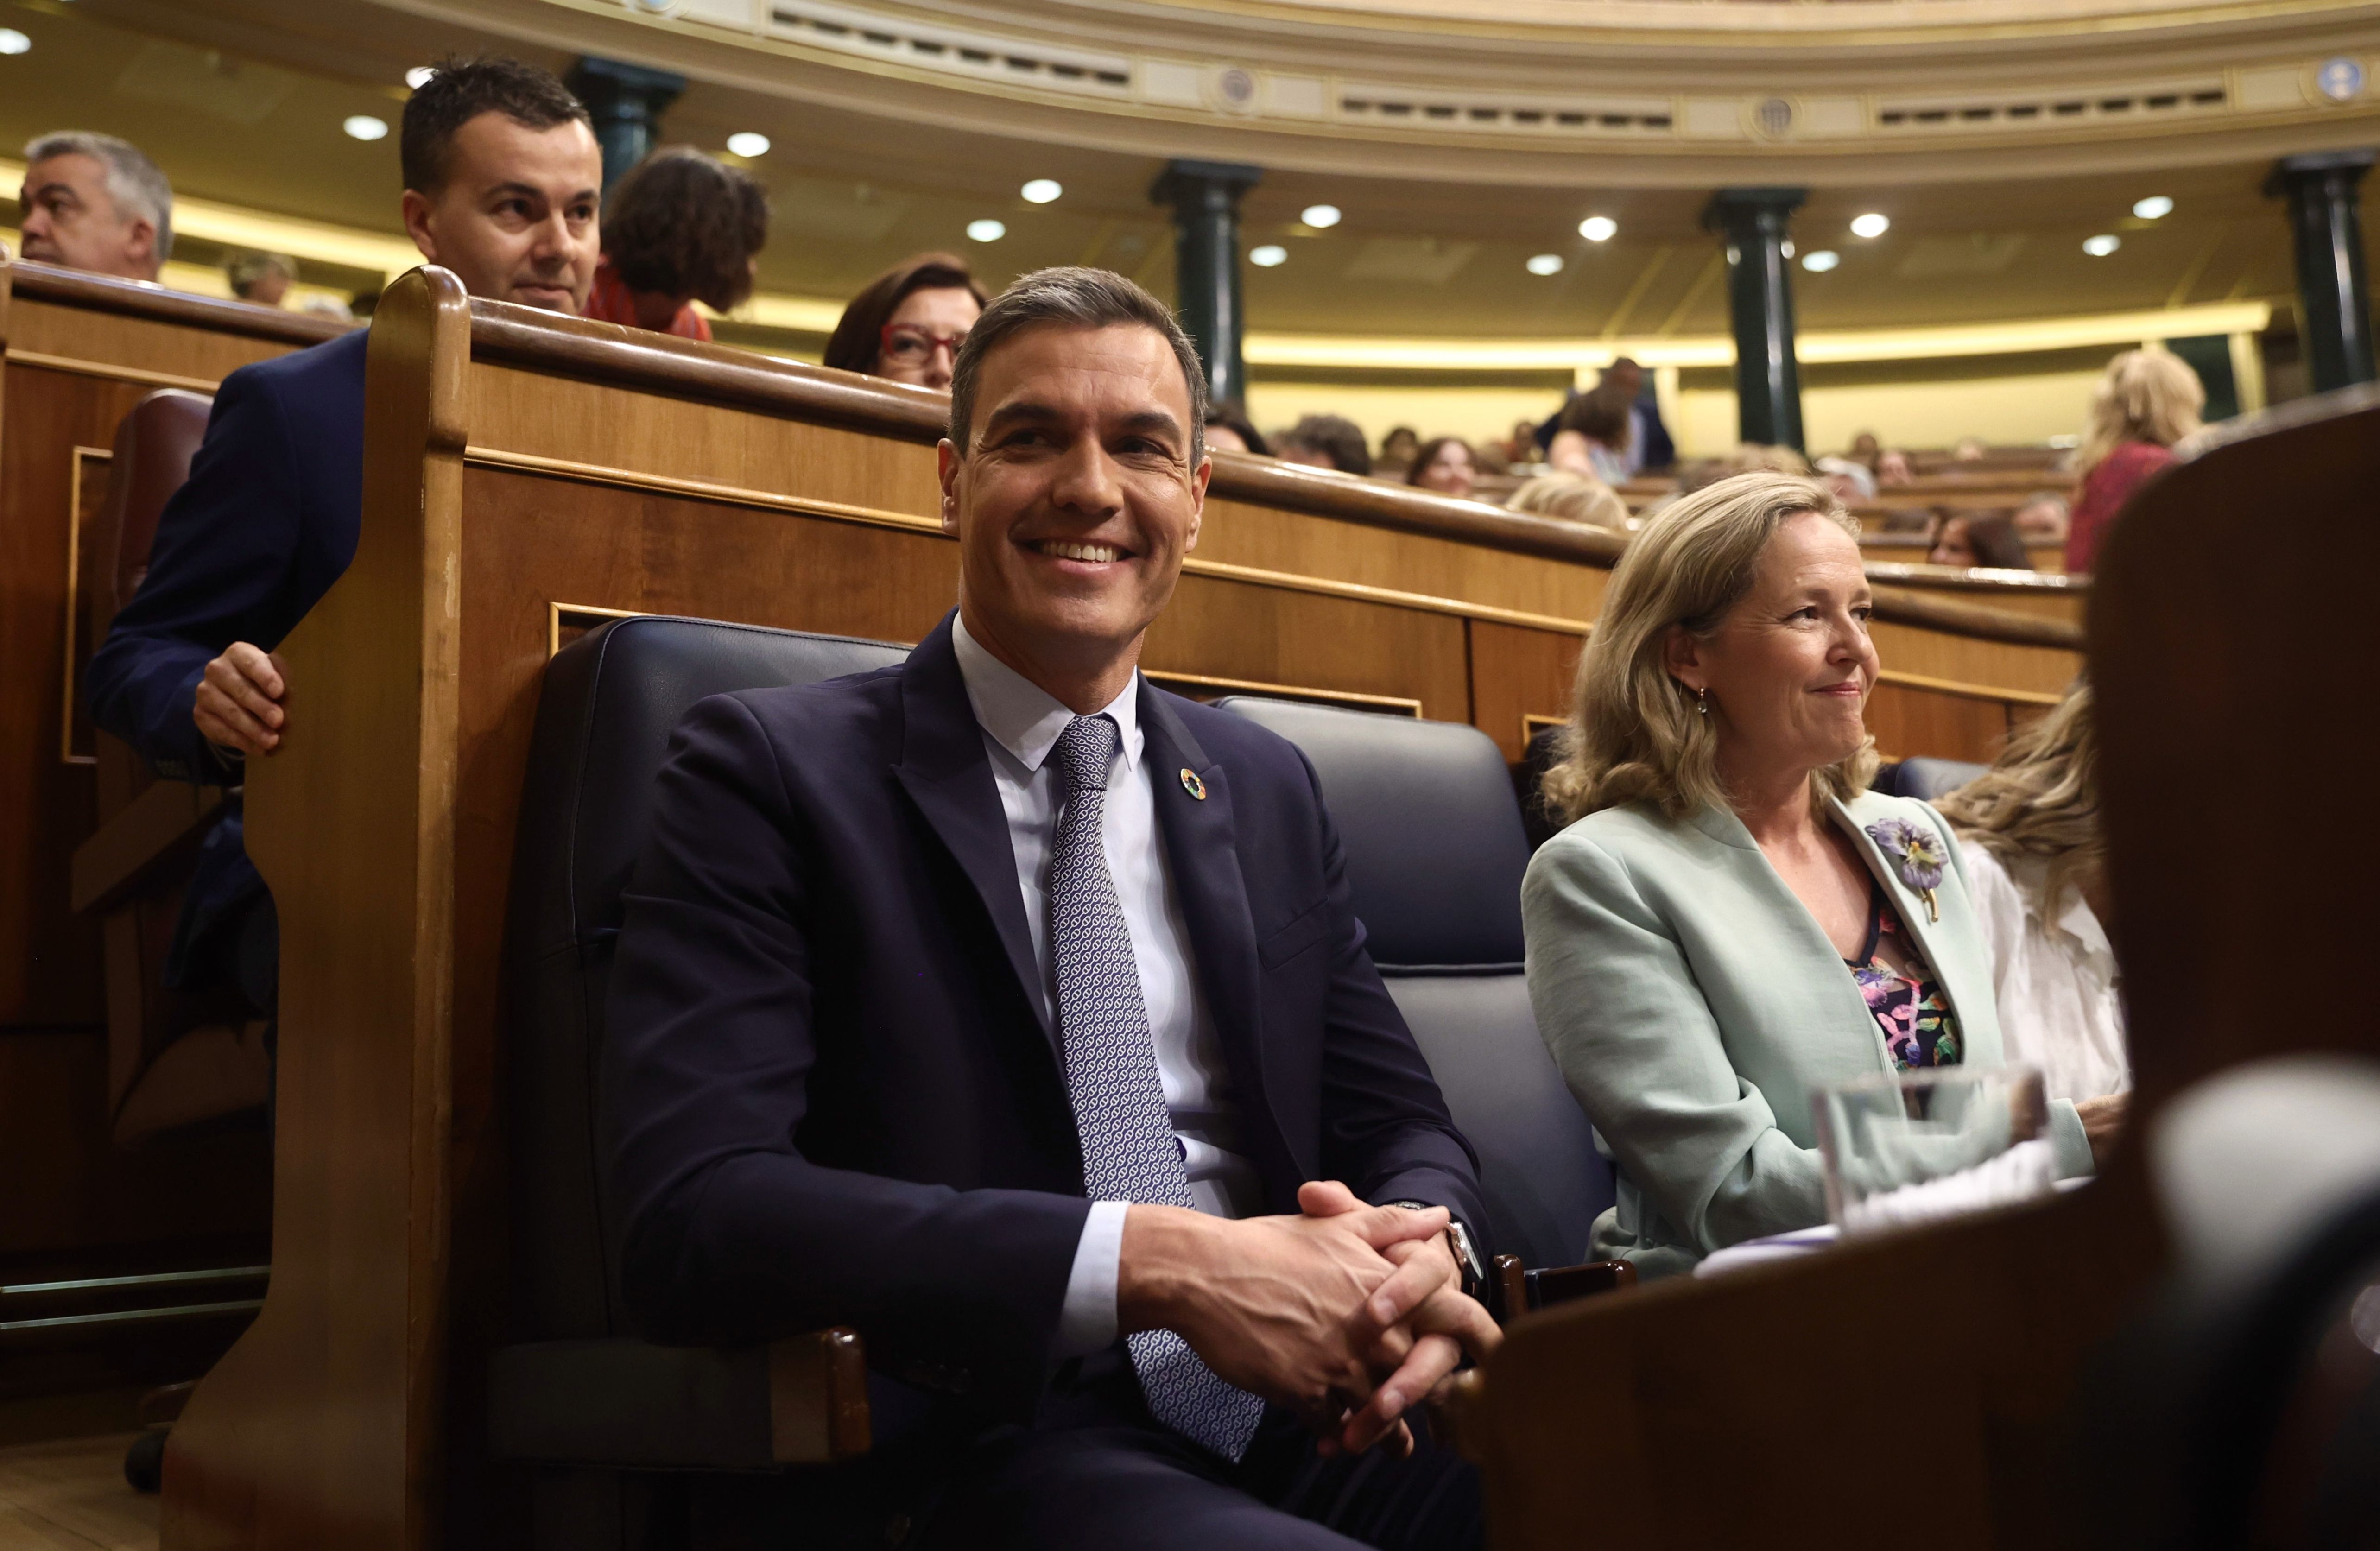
(141, 244)
(1198, 479)
(415, 208)
(946, 460)
(1682, 655)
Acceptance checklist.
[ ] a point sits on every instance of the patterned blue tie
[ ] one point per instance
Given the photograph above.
(1129, 1151)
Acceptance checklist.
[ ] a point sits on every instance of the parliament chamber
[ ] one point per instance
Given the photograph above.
(376, 869)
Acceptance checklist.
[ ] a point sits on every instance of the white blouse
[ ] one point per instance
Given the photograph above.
(2060, 997)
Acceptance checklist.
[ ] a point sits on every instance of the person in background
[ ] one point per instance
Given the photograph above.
(2044, 518)
(1852, 482)
(95, 202)
(1228, 427)
(1970, 449)
(1865, 450)
(1327, 441)
(1444, 464)
(1892, 470)
(908, 323)
(261, 278)
(2146, 401)
(1398, 450)
(1732, 921)
(1595, 436)
(1522, 448)
(1648, 440)
(2037, 867)
(1571, 498)
(678, 228)
(1968, 539)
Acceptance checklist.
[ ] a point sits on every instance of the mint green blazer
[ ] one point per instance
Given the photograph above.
(1695, 1008)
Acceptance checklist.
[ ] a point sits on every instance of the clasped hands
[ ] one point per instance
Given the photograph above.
(1345, 1314)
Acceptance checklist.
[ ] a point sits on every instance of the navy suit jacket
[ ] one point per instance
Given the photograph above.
(835, 1101)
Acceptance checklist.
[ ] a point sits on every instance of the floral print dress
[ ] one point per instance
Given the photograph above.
(1902, 994)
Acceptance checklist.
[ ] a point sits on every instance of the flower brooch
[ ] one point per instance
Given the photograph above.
(1917, 855)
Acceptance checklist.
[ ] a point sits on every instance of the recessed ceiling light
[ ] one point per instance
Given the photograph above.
(1786, 248)
(12, 42)
(1320, 216)
(2156, 207)
(419, 76)
(987, 231)
(2101, 246)
(1822, 260)
(1271, 253)
(1042, 191)
(364, 127)
(1871, 224)
(1598, 228)
(748, 144)
(1545, 263)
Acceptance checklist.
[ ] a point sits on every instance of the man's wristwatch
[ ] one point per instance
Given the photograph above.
(1466, 1257)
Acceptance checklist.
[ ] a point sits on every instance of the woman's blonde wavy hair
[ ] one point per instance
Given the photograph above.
(2040, 798)
(1635, 735)
(2145, 396)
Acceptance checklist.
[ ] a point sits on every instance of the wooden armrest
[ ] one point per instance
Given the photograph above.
(1523, 1291)
(164, 822)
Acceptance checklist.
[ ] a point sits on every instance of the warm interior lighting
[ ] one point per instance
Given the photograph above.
(1598, 228)
(2156, 207)
(1042, 191)
(748, 144)
(364, 127)
(1871, 224)
(987, 231)
(1320, 216)
(2101, 246)
(1268, 256)
(419, 76)
(1822, 260)
(1545, 263)
(12, 42)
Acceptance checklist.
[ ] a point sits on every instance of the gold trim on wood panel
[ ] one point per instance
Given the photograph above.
(586, 615)
(1968, 691)
(1533, 723)
(73, 588)
(81, 367)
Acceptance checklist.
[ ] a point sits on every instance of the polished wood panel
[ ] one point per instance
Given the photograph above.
(1520, 681)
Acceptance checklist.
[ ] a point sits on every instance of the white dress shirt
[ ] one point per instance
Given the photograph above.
(2054, 976)
(1021, 722)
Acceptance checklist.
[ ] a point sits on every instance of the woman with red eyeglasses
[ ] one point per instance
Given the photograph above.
(910, 323)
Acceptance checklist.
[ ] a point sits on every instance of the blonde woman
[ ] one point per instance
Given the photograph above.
(2146, 401)
(1573, 498)
(1734, 921)
(2036, 864)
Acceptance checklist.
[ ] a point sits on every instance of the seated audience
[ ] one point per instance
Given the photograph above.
(679, 226)
(1973, 538)
(1970, 449)
(2043, 518)
(95, 202)
(2146, 401)
(1734, 921)
(908, 322)
(268, 518)
(1892, 470)
(1851, 482)
(1865, 450)
(1326, 441)
(988, 1058)
(1398, 450)
(1228, 427)
(1444, 464)
(1573, 498)
(261, 278)
(1595, 437)
(1648, 440)
(2036, 865)
(1521, 448)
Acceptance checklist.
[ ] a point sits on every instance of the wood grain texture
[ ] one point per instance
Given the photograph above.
(1517, 675)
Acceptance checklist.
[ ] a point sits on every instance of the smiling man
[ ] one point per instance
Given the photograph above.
(502, 179)
(1012, 1009)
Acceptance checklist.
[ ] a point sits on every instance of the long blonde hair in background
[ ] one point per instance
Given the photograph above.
(2145, 396)
(2040, 799)
(1635, 735)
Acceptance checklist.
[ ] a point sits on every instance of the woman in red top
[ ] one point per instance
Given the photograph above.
(2147, 401)
(679, 225)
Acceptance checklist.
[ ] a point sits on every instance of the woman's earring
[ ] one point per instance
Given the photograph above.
(1702, 701)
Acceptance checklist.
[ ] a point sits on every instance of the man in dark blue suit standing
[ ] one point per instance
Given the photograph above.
(1013, 1010)
(502, 178)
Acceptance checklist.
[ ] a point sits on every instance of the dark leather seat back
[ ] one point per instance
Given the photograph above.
(1927, 779)
(153, 448)
(1435, 851)
(603, 722)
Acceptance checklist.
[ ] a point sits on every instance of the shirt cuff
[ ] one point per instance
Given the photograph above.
(2067, 1141)
(1088, 1322)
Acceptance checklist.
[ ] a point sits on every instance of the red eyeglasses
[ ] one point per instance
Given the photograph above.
(907, 344)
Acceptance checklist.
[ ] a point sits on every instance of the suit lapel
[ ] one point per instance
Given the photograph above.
(1949, 970)
(946, 773)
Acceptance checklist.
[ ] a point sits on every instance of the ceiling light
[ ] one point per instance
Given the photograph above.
(2101, 246)
(987, 231)
(2154, 206)
(1786, 248)
(1042, 191)
(1271, 253)
(419, 76)
(1871, 224)
(12, 42)
(748, 144)
(1545, 263)
(364, 127)
(1598, 228)
(1320, 216)
(1822, 260)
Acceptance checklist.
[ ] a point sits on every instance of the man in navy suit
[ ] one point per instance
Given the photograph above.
(501, 182)
(1011, 1010)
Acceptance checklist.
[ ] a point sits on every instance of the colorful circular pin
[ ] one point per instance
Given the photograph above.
(1192, 785)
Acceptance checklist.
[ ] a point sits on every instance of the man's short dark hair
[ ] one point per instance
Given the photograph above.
(460, 91)
(1077, 298)
(685, 225)
(1335, 437)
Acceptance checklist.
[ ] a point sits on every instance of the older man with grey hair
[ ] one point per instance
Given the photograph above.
(95, 202)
